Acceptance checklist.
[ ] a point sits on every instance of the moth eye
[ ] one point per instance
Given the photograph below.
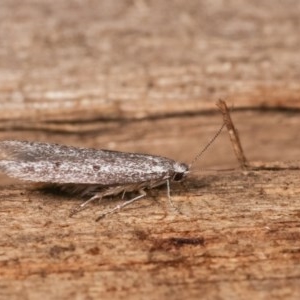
(178, 176)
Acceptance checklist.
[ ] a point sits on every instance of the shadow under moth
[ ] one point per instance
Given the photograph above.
(90, 172)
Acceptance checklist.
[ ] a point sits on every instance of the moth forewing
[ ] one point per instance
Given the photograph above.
(53, 163)
(96, 173)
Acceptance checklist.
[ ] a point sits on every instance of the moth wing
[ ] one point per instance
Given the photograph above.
(36, 151)
(51, 163)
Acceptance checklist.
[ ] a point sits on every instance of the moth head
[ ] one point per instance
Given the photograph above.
(180, 171)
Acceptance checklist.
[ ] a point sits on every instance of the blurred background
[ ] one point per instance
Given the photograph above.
(144, 75)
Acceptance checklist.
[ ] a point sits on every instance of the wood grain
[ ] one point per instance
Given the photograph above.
(139, 59)
(144, 76)
(239, 235)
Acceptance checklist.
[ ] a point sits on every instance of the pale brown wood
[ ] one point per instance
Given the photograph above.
(238, 235)
(134, 60)
(144, 76)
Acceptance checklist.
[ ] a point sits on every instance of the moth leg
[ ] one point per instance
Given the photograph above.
(120, 206)
(170, 198)
(80, 207)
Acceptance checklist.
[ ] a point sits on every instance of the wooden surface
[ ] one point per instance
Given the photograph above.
(144, 76)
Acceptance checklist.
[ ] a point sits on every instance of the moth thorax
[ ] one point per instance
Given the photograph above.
(180, 171)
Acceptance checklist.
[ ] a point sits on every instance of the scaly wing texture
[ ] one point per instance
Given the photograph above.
(52, 163)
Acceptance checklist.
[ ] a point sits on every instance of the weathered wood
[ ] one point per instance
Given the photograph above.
(144, 76)
(239, 235)
(140, 59)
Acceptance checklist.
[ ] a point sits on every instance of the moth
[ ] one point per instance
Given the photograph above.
(90, 172)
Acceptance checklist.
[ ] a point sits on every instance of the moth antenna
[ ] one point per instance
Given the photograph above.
(207, 146)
